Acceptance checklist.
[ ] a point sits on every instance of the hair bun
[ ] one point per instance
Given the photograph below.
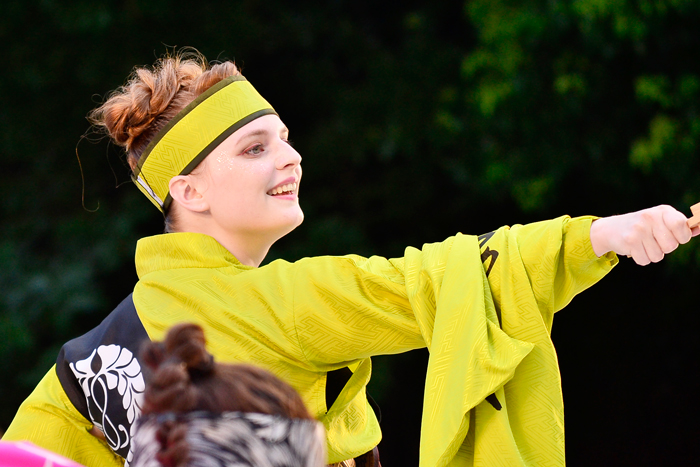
(175, 363)
(134, 113)
(186, 343)
(133, 108)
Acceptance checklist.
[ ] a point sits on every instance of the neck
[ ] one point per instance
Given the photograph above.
(246, 252)
(250, 248)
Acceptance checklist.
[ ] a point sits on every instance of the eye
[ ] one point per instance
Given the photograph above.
(254, 150)
(288, 141)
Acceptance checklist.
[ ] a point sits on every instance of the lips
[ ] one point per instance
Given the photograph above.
(286, 189)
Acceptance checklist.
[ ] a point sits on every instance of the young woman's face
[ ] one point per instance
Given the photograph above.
(251, 181)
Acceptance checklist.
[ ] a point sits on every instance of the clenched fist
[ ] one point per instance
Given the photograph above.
(645, 235)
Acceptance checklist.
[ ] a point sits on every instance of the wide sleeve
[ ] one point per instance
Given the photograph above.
(349, 308)
(555, 257)
(485, 306)
(48, 419)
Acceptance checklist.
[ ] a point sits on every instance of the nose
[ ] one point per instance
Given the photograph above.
(287, 157)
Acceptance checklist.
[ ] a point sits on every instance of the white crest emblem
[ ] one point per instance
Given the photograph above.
(115, 373)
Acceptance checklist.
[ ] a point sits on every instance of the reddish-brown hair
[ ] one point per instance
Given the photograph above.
(185, 378)
(134, 113)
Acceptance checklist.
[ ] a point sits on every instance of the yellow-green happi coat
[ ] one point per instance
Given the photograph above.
(482, 305)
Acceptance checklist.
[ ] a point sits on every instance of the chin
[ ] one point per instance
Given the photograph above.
(289, 226)
(297, 222)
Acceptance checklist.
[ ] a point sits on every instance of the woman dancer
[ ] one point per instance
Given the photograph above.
(213, 156)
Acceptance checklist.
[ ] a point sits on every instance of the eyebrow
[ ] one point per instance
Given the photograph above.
(261, 132)
(254, 133)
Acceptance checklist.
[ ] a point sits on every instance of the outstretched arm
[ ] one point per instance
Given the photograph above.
(646, 236)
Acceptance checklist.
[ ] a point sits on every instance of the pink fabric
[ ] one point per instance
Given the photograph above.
(26, 454)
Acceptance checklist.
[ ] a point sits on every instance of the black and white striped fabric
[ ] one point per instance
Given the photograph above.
(235, 439)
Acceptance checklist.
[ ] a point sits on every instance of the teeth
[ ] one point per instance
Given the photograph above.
(290, 187)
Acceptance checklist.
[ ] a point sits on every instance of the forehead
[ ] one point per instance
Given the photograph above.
(268, 124)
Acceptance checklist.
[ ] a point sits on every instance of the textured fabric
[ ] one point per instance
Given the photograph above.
(488, 326)
(48, 419)
(234, 439)
(301, 320)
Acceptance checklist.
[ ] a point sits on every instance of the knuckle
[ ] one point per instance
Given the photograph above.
(675, 219)
(646, 217)
(676, 223)
(634, 235)
(628, 239)
(644, 223)
(666, 210)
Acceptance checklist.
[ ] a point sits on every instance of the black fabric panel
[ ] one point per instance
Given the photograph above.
(121, 327)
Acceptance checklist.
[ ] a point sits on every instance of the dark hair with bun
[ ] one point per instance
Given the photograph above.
(185, 378)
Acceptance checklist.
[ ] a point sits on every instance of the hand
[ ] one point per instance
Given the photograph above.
(646, 235)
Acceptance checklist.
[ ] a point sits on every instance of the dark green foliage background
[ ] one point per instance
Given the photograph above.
(416, 120)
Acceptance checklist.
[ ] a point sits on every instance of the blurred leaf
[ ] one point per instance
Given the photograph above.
(654, 89)
(646, 151)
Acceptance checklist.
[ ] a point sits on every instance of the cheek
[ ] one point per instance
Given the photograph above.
(247, 173)
(245, 176)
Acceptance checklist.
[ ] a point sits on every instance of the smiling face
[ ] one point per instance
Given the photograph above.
(251, 183)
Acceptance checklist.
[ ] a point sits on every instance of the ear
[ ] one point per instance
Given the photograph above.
(184, 190)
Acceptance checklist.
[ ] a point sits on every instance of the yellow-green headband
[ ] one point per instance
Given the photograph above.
(194, 133)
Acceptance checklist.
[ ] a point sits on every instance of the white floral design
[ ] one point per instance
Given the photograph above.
(118, 370)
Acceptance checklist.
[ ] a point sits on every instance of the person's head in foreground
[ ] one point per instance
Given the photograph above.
(201, 413)
(208, 151)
